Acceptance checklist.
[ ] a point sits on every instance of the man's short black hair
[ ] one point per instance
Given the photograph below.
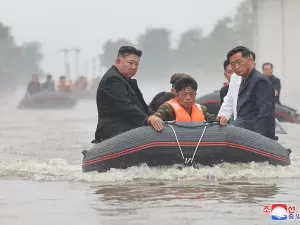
(186, 83)
(242, 49)
(266, 64)
(225, 64)
(253, 55)
(128, 50)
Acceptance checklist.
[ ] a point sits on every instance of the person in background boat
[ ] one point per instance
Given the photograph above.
(94, 83)
(183, 107)
(228, 107)
(227, 73)
(255, 103)
(64, 85)
(163, 96)
(120, 103)
(81, 83)
(33, 86)
(49, 84)
(268, 72)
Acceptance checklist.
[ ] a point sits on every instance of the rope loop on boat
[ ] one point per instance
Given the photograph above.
(188, 161)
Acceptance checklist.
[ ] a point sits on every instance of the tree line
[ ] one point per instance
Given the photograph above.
(17, 62)
(195, 53)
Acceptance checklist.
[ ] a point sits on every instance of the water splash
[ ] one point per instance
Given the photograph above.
(60, 170)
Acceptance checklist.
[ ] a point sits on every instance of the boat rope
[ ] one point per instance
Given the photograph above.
(200, 139)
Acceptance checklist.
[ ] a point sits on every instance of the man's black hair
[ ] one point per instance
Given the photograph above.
(186, 83)
(160, 98)
(225, 64)
(242, 49)
(266, 64)
(49, 76)
(253, 55)
(128, 50)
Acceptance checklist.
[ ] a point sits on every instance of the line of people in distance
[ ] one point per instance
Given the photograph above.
(121, 106)
(64, 85)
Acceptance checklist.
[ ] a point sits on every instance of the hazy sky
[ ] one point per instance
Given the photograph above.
(87, 24)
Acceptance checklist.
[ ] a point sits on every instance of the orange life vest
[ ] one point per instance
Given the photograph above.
(183, 116)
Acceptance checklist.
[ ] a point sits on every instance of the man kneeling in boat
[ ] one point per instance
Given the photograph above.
(183, 108)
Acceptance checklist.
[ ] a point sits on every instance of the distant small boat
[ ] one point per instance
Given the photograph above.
(48, 100)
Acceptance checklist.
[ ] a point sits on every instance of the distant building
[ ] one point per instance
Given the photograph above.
(277, 40)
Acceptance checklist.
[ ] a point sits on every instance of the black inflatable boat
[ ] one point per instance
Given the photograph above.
(48, 100)
(283, 113)
(187, 143)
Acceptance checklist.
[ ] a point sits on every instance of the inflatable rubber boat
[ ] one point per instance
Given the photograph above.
(183, 143)
(283, 113)
(48, 100)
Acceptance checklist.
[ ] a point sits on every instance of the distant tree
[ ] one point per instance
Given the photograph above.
(6, 46)
(189, 49)
(243, 24)
(217, 44)
(157, 54)
(17, 63)
(110, 51)
(32, 56)
(195, 53)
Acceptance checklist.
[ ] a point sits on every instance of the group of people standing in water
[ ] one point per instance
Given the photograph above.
(121, 106)
(64, 85)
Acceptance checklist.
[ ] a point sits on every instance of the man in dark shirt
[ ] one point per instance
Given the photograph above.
(120, 103)
(268, 72)
(33, 86)
(49, 84)
(255, 104)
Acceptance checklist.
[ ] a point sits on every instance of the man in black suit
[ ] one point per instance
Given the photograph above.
(120, 103)
(255, 104)
(268, 72)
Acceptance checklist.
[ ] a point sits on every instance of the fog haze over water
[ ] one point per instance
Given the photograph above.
(88, 24)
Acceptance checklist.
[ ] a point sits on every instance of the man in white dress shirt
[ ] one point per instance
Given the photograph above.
(228, 107)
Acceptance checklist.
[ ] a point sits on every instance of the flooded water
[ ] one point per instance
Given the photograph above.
(42, 183)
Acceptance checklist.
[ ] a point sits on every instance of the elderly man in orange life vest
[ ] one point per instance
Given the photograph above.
(183, 108)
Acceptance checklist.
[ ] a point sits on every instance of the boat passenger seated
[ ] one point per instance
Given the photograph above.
(33, 86)
(183, 107)
(49, 84)
(81, 83)
(64, 85)
(163, 96)
(94, 83)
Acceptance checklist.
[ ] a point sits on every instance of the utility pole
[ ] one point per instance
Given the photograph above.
(66, 62)
(100, 68)
(77, 52)
(86, 68)
(94, 61)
